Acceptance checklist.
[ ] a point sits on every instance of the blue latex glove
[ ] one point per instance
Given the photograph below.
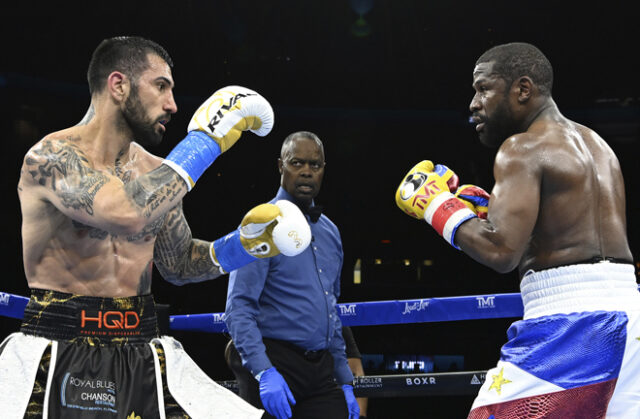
(352, 404)
(275, 394)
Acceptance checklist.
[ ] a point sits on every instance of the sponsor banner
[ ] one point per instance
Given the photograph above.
(411, 385)
(89, 394)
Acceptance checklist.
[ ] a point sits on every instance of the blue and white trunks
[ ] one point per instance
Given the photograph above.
(575, 354)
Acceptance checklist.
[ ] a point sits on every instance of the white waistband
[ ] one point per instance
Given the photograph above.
(577, 288)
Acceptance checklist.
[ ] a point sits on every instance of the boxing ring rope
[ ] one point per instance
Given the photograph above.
(371, 313)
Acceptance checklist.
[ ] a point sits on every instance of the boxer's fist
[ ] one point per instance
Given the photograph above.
(270, 229)
(230, 111)
(425, 193)
(256, 231)
(474, 197)
(422, 184)
(265, 231)
(216, 126)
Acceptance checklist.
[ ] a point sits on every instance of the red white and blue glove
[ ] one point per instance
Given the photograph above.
(275, 394)
(426, 193)
(352, 403)
(474, 197)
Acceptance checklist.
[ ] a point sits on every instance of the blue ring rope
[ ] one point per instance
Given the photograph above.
(370, 313)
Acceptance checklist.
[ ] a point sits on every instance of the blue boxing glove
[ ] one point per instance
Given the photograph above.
(352, 404)
(275, 394)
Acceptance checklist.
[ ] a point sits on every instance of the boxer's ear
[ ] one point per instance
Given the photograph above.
(524, 87)
(118, 86)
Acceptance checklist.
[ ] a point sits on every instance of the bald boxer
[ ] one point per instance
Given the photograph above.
(557, 214)
(97, 211)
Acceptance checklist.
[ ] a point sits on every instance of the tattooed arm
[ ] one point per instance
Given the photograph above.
(66, 178)
(181, 259)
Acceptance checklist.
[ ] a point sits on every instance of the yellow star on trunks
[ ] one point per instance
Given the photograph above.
(133, 416)
(498, 381)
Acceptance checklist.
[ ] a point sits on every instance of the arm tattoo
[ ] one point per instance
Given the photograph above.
(148, 192)
(150, 230)
(178, 256)
(64, 168)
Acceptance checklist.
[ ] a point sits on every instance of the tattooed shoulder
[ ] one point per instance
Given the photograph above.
(61, 166)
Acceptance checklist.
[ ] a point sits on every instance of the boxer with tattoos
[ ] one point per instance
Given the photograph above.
(98, 211)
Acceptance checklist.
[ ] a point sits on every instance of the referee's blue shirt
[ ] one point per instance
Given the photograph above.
(291, 299)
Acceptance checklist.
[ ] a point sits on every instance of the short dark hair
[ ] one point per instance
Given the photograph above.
(517, 59)
(127, 54)
(300, 134)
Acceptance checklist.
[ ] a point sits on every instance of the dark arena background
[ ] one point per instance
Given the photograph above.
(384, 84)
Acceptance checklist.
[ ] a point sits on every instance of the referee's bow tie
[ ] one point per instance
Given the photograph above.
(314, 213)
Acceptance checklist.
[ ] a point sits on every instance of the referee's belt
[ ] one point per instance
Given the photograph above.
(308, 354)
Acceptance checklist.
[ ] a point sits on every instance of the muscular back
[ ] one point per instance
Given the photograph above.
(69, 244)
(582, 204)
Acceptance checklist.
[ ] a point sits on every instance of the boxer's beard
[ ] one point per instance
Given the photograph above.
(499, 126)
(141, 124)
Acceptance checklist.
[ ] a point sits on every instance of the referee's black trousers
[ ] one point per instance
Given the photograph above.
(309, 376)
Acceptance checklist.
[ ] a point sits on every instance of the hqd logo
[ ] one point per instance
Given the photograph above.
(111, 320)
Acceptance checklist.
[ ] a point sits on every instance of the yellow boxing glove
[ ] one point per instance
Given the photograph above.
(425, 193)
(423, 182)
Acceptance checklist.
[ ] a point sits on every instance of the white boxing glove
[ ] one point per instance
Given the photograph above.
(265, 231)
(216, 126)
(230, 111)
(292, 234)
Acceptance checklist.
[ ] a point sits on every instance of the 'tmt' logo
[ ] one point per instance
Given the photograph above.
(422, 200)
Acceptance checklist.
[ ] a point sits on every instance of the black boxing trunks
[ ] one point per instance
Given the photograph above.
(80, 356)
